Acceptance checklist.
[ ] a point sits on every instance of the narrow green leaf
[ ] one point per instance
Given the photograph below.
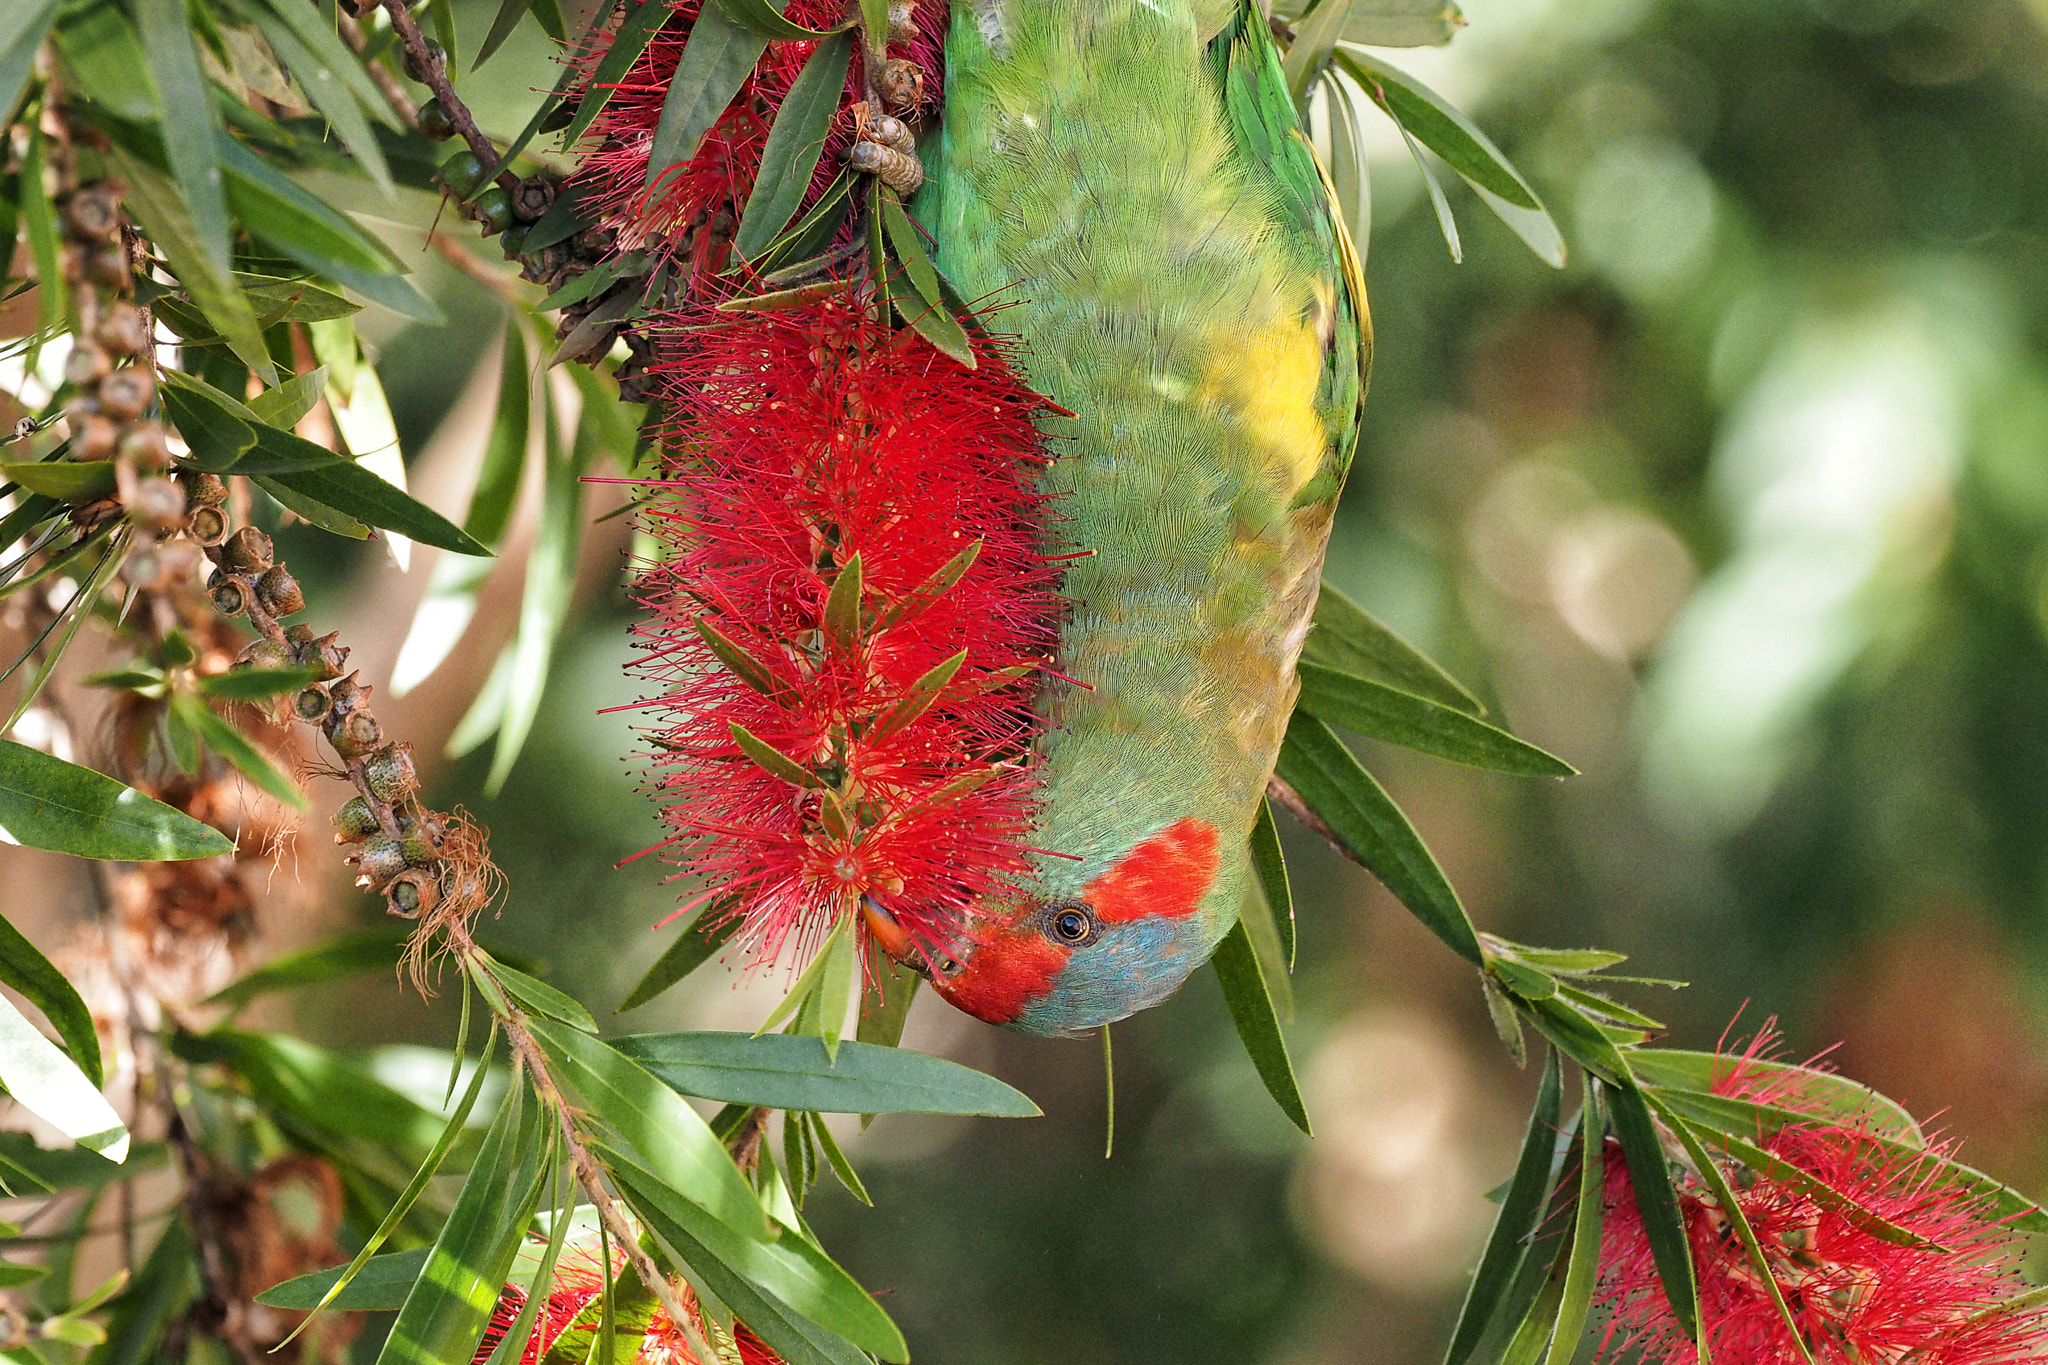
(933, 321)
(699, 942)
(304, 228)
(448, 1307)
(1578, 1037)
(509, 14)
(219, 429)
(311, 510)
(1426, 116)
(232, 745)
(168, 1281)
(917, 699)
(1386, 713)
(1577, 1299)
(106, 59)
(1539, 1325)
(1649, 1175)
(1360, 814)
(642, 21)
(800, 996)
(1315, 38)
(716, 62)
(836, 1159)
(1262, 926)
(357, 493)
(542, 998)
(329, 74)
(842, 615)
(190, 124)
(765, 18)
(316, 1087)
(1403, 23)
(875, 19)
(1535, 1173)
(72, 481)
(1731, 1209)
(1507, 1024)
(1823, 1093)
(1346, 637)
(1719, 1115)
(512, 1346)
(344, 955)
(1271, 866)
(48, 1084)
(39, 225)
(1258, 1026)
(157, 207)
(786, 1290)
(49, 804)
(380, 1284)
(887, 993)
(837, 984)
(655, 1122)
(69, 620)
(544, 606)
(24, 968)
(771, 760)
(795, 142)
(22, 29)
(283, 406)
(790, 1071)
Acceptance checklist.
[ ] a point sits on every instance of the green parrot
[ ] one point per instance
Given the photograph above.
(1130, 175)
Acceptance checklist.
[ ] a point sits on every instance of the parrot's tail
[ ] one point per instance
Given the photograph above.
(847, 631)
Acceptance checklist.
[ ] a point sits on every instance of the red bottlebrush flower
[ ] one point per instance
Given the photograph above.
(1858, 1298)
(806, 438)
(571, 1307)
(693, 208)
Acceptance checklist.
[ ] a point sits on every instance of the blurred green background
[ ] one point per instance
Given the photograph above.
(1745, 513)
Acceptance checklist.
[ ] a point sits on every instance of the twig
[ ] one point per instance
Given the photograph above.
(465, 260)
(394, 92)
(435, 72)
(592, 1180)
(1289, 798)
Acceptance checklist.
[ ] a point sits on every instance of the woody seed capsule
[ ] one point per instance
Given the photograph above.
(125, 393)
(230, 594)
(247, 551)
(86, 364)
(265, 653)
(381, 859)
(92, 214)
(413, 894)
(158, 502)
(279, 592)
(143, 445)
(208, 526)
(391, 774)
(204, 489)
(311, 704)
(354, 822)
(123, 330)
(95, 438)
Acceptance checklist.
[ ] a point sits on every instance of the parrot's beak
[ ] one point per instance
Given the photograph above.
(896, 941)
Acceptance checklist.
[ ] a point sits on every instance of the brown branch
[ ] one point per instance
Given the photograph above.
(591, 1178)
(395, 94)
(435, 71)
(1283, 795)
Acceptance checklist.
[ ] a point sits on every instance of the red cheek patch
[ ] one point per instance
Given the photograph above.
(1004, 975)
(1167, 875)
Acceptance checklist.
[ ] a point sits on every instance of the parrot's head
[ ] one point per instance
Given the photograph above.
(1059, 961)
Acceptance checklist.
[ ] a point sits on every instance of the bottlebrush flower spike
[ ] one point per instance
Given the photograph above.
(1858, 1298)
(693, 208)
(845, 632)
(571, 1314)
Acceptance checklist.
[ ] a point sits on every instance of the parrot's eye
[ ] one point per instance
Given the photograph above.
(1071, 923)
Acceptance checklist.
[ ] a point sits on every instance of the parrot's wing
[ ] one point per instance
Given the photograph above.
(1260, 116)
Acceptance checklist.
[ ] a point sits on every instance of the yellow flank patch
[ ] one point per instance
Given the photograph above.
(1267, 378)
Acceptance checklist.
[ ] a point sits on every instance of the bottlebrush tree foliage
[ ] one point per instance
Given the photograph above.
(708, 221)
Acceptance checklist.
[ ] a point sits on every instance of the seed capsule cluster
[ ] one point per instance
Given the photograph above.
(110, 371)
